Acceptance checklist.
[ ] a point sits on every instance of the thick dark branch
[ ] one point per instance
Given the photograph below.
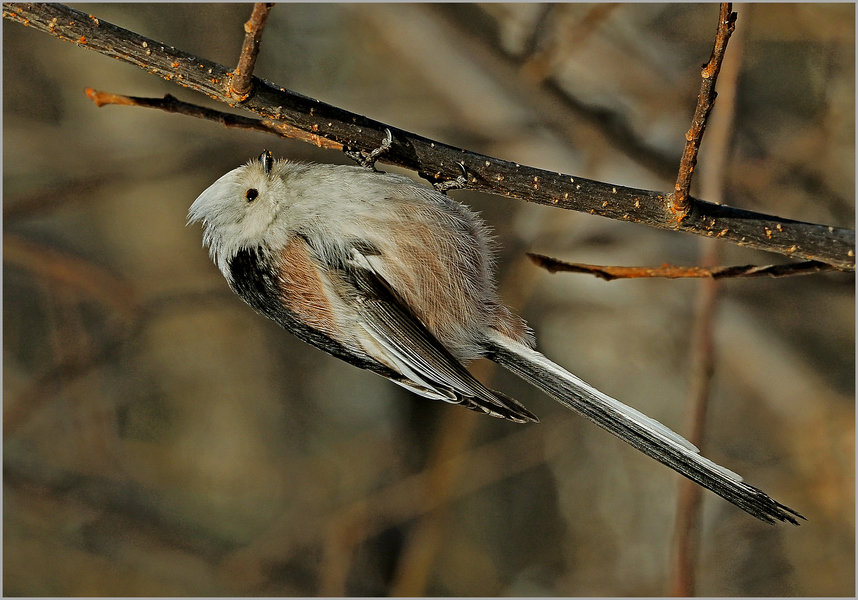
(681, 201)
(793, 238)
(609, 273)
(242, 77)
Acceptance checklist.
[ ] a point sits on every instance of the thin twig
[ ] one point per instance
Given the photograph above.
(171, 104)
(241, 81)
(687, 530)
(609, 273)
(485, 173)
(681, 201)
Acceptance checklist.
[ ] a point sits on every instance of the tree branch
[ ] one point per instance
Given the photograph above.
(688, 533)
(832, 245)
(609, 273)
(242, 78)
(171, 104)
(681, 202)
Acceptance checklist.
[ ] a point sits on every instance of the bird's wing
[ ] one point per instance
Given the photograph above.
(399, 339)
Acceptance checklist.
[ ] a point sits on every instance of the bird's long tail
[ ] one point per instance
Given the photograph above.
(646, 434)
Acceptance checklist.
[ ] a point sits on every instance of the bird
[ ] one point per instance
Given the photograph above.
(395, 277)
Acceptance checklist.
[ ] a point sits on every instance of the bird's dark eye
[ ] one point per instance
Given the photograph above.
(251, 194)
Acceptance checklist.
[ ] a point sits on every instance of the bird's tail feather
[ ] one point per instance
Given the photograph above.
(646, 434)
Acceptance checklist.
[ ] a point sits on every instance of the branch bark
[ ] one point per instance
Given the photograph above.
(609, 272)
(171, 104)
(439, 161)
(681, 201)
(242, 78)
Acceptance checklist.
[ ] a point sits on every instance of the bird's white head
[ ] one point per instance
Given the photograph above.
(240, 210)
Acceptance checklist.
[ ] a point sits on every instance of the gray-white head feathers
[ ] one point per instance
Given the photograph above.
(239, 210)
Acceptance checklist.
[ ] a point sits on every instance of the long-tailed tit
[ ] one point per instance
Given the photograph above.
(394, 277)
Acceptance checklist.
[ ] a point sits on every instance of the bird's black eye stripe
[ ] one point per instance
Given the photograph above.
(251, 194)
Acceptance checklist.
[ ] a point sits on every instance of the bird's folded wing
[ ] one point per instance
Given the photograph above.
(428, 367)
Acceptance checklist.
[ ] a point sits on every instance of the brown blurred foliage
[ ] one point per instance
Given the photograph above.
(162, 439)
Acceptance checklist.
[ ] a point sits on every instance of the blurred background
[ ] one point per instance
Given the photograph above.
(162, 439)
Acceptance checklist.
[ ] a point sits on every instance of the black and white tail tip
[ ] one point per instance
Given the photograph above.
(646, 434)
